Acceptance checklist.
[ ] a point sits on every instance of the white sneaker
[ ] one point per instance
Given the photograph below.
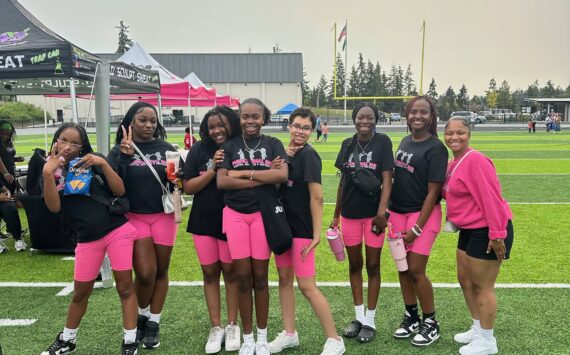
(283, 341)
(215, 340)
(247, 348)
(233, 337)
(466, 337)
(334, 347)
(480, 346)
(20, 245)
(2, 249)
(262, 349)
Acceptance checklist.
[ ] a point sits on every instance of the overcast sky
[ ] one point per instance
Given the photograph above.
(467, 41)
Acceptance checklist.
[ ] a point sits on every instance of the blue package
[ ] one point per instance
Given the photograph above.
(77, 180)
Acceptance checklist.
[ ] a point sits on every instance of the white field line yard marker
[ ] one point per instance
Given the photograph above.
(510, 203)
(68, 258)
(16, 322)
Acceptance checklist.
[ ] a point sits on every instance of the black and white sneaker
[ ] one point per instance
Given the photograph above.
(60, 346)
(409, 326)
(429, 332)
(151, 335)
(141, 326)
(130, 349)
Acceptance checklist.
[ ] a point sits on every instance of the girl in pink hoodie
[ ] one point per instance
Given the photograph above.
(476, 206)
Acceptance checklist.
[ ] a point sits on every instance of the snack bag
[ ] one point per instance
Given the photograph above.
(77, 180)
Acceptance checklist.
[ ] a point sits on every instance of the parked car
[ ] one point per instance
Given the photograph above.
(169, 120)
(395, 116)
(471, 116)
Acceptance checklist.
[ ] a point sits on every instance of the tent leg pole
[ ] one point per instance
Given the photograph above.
(102, 108)
(45, 125)
(73, 100)
(160, 109)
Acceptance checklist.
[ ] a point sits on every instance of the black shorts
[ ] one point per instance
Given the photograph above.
(319, 133)
(474, 242)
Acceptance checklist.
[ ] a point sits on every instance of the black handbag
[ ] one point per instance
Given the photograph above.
(364, 179)
(115, 204)
(277, 230)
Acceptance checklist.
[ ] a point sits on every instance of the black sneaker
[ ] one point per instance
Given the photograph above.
(408, 326)
(429, 332)
(141, 325)
(130, 349)
(151, 335)
(60, 346)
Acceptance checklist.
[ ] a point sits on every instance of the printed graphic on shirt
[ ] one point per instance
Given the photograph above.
(364, 163)
(258, 157)
(155, 158)
(403, 160)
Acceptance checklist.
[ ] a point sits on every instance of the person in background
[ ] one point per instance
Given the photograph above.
(529, 124)
(189, 139)
(319, 128)
(205, 223)
(8, 210)
(415, 212)
(476, 206)
(156, 229)
(303, 204)
(325, 129)
(363, 217)
(98, 232)
(249, 161)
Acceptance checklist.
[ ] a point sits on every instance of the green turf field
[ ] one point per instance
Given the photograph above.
(534, 171)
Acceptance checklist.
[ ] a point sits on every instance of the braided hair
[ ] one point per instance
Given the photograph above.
(258, 102)
(373, 107)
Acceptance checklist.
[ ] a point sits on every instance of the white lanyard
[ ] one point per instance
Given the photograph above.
(455, 168)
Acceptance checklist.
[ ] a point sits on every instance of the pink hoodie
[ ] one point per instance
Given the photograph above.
(473, 196)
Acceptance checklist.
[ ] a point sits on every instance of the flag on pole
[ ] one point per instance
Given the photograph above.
(343, 35)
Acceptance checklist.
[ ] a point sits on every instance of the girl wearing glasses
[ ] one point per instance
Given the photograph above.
(156, 229)
(303, 203)
(97, 231)
(250, 161)
(363, 216)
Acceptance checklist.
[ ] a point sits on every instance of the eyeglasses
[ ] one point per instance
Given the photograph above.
(73, 146)
(298, 127)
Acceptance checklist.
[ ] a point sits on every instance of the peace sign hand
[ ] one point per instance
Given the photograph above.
(126, 146)
(54, 161)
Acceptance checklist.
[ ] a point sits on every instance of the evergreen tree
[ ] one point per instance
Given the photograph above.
(305, 91)
(125, 43)
(462, 99)
(533, 90)
(447, 103)
(432, 93)
(409, 86)
(321, 92)
(340, 80)
(504, 99)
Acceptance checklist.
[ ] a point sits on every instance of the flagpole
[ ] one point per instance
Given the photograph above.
(422, 64)
(345, 66)
(334, 61)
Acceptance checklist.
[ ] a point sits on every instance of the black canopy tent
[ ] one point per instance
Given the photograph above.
(36, 61)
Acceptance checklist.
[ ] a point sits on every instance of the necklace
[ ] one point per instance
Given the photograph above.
(366, 146)
(254, 148)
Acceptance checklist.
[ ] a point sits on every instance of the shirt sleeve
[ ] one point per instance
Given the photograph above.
(191, 165)
(485, 188)
(387, 154)
(312, 167)
(228, 148)
(437, 167)
(339, 158)
(278, 149)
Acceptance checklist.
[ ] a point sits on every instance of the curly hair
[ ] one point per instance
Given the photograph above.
(233, 119)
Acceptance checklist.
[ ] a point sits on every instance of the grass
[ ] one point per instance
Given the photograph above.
(532, 169)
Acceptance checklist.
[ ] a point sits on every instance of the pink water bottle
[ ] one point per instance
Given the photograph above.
(397, 249)
(336, 243)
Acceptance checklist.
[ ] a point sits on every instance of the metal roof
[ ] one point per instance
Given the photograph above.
(232, 68)
(551, 99)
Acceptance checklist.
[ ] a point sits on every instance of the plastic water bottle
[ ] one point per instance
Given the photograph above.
(336, 243)
(397, 249)
(176, 196)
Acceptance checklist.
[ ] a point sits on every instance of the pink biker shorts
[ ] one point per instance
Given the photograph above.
(423, 244)
(355, 230)
(118, 244)
(246, 235)
(211, 250)
(158, 226)
(292, 258)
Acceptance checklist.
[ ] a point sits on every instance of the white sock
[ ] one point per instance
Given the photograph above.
(359, 310)
(477, 324)
(145, 311)
(369, 318)
(261, 336)
(154, 317)
(248, 338)
(487, 334)
(130, 335)
(69, 334)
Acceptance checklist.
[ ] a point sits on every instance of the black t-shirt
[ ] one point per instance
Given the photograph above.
(90, 220)
(304, 167)
(417, 164)
(238, 156)
(377, 157)
(143, 190)
(206, 214)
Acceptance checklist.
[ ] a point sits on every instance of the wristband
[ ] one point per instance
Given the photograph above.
(7, 174)
(418, 228)
(416, 232)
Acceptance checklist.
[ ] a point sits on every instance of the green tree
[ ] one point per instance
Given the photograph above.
(340, 80)
(409, 86)
(504, 99)
(125, 43)
(321, 92)
(20, 111)
(492, 84)
(447, 103)
(462, 98)
(432, 93)
(305, 90)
